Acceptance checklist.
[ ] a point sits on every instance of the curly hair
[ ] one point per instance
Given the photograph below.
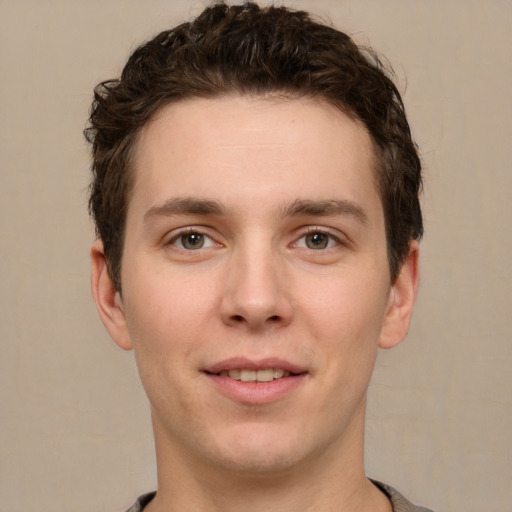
(248, 50)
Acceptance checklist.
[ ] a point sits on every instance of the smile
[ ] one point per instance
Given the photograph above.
(247, 375)
(256, 382)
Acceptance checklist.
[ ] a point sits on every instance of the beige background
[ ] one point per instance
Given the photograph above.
(75, 432)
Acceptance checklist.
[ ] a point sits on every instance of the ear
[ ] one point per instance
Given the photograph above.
(108, 300)
(401, 300)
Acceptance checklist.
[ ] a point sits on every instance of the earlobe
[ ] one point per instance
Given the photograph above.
(108, 300)
(401, 301)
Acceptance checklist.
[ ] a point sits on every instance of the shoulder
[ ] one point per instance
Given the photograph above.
(141, 502)
(399, 502)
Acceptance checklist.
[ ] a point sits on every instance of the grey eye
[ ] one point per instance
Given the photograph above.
(317, 240)
(191, 241)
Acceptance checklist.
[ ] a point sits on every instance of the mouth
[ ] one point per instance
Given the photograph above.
(256, 382)
(248, 370)
(248, 375)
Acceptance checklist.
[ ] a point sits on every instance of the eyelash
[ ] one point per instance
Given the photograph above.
(191, 231)
(313, 230)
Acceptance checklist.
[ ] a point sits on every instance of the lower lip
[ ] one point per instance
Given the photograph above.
(256, 392)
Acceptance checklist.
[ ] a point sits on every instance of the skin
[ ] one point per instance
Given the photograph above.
(258, 288)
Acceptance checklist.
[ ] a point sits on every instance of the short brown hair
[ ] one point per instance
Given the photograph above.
(248, 50)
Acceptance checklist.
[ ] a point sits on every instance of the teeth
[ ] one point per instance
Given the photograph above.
(234, 374)
(278, 373)
(247, 375)
(266, 375)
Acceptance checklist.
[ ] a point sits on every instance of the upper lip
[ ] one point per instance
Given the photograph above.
(236, 363)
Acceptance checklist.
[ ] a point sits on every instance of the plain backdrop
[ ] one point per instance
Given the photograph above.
(75, 432)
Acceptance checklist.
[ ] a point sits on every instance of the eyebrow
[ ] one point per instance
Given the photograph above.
(186, 205)
(199, 206)
(327, 208)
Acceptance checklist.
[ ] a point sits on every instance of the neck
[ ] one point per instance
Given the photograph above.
(331, 480)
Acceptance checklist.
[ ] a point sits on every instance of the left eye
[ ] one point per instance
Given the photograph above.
(317, 240)
(193, 241)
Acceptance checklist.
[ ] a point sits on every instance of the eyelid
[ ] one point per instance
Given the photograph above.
(336, 236)
(176, 234)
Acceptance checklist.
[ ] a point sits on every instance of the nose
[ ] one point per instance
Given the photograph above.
(255, 294)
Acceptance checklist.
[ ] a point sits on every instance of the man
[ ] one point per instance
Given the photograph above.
(255, 192)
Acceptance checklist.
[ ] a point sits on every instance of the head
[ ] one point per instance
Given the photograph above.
(255, 176)
(245, 50)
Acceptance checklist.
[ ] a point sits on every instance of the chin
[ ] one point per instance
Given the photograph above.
(258, 464)
(260, 452)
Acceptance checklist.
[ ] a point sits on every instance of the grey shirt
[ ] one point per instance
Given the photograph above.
(400, 504)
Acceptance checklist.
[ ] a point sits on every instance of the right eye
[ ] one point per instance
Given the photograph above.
(192, 241)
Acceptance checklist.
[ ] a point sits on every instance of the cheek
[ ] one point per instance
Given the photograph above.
(346, 321)
(349, 307)
(166, 335)
(169, 318)
(165, 304)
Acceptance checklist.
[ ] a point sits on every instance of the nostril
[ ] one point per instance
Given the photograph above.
(240, 318)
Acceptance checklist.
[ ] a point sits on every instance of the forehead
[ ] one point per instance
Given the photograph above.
(253, 146)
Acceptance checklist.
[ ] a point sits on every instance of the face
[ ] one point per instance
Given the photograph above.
(255, 281)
